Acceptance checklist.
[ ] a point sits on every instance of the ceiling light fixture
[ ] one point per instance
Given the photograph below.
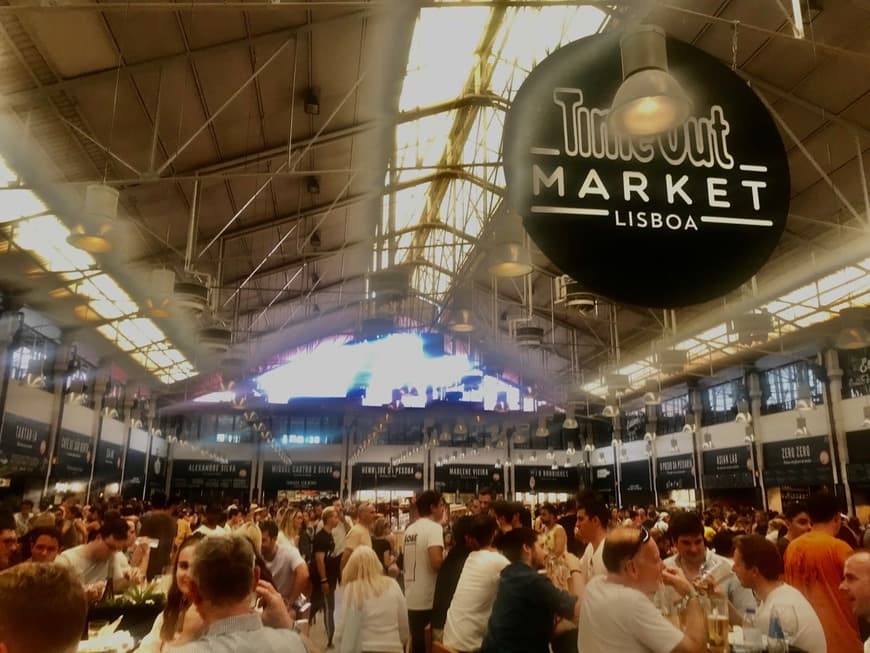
(100, 212)
(854, 333)
(311, 102)
(649, 100)
(510, 257)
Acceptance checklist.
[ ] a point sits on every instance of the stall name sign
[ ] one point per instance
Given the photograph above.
(712, 194)
(305, 470)
(678, 465)
(211, 468)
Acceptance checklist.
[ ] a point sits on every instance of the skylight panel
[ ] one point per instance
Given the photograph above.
(443, 52)
(422, 142)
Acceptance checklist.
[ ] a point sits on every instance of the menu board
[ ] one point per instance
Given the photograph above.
(546, 479)
(23, 446)
(72, 457)
(675, 472)
(208, 475)
(384, 476)
(323, 477)
(134, 473)
(468, 478)
(603, 479)
(800, 461)
(856, 372)
(635, 483)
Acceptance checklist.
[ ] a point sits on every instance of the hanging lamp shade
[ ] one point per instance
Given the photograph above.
(161, 284)
(510, 257)
(100, 212)
(649, 101)
(854, 333)
(461, 316)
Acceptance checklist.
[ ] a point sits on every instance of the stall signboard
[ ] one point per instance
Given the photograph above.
(603, 479)
(675, 472)
(546, 479)
(712, 194)
(209, 475)
(134, 473)
(73, 456)
(23, 446)
(858, 443)
(384, 476)
(320, 477)
(635, 483)
(856, 372)
(468, 478)
(800, 461)
(728, 468)
(107, 468)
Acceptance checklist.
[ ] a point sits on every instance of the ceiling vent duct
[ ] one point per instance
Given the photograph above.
(751, 328)
(529, 336)
(216, 339)
(191, 295)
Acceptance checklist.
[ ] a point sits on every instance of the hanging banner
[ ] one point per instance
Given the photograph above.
(208, 475)
(635, 483)
(712, 195)
(801, 461)
(728, 468)
(72, 457)
(546, 479)
(23, 446)
(468, 478)
(856, 372)
(675, 473)
(321, 477)
(384, 476)
(107, 468)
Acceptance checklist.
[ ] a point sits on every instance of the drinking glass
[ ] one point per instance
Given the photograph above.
(788, 621)
(716, 609)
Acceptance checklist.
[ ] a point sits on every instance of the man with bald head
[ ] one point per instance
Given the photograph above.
(617, 613)
(856, 586)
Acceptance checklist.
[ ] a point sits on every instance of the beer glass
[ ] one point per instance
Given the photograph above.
(716, 610)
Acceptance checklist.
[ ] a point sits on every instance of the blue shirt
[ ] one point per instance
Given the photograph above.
(244, 634)
(524, 612)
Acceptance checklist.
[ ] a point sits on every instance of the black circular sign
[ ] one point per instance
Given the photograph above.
(662, 221)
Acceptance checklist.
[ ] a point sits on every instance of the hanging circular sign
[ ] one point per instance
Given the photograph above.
(661, 221)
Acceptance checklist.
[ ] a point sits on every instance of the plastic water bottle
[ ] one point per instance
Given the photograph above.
(751, 633)
(776, 642)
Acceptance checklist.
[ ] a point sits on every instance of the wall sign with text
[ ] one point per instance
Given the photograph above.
(107, 468)
(209, 475)
(801, 461)
(675, 472)
(856, 372)
(635, 483)
(73, 456)
(23, 446)
(322, 477)
(546, 479)
(632, 219)
(384, 476)
(468, 478)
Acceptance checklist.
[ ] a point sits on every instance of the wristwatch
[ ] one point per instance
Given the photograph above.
(693, 594)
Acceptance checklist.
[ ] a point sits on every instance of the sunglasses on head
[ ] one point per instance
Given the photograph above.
(643, 539)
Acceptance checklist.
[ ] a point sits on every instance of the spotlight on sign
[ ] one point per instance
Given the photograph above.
(649, 101)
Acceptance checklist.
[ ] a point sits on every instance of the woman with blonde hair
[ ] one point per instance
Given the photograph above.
(291, 524)
(375, 613)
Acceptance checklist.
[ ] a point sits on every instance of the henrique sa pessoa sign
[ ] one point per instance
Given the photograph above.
(659, 221)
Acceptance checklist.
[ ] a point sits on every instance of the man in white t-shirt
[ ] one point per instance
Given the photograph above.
(617, 614)
(100, 559)
(423, 552)
(856, 586)
(284, 562)
(339, 533)
(211, 524)
(759, 567)
(475, 593)
(592, 519)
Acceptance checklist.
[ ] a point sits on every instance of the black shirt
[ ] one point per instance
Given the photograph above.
(524, 611)
(162, 527)
(445, 584)
(381, 546)
(323, 543)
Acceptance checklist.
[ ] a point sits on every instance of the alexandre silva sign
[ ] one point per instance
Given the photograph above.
(636, 220)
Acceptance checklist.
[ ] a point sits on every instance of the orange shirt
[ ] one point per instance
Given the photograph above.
(814, 565)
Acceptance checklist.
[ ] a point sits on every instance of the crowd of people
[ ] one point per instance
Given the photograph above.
(492, 576)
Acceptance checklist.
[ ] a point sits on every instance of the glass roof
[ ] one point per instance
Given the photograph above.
(490, 53)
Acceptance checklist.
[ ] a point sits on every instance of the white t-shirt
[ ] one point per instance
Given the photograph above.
(283, 568)
(92, 571)
(810, 635)
(618, 618)
(217, 530)
(472, 603)
(592, 562)
(419, 575)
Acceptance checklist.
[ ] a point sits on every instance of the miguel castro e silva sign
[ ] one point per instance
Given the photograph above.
(665, 221)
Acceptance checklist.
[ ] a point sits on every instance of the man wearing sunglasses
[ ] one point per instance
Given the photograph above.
(617, 612)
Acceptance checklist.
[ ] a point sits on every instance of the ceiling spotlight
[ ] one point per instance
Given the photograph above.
(312, 185)
(460, 428)
(804, 398)
(708, 440)
(743, 414)
(866, 422)
(570, 423)
(510, 257)
(551, 454)
(801, 430)
(649, 101)
(649, 436)
(542, 431)
(311, 102)
(533, 457)
(570, 449)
